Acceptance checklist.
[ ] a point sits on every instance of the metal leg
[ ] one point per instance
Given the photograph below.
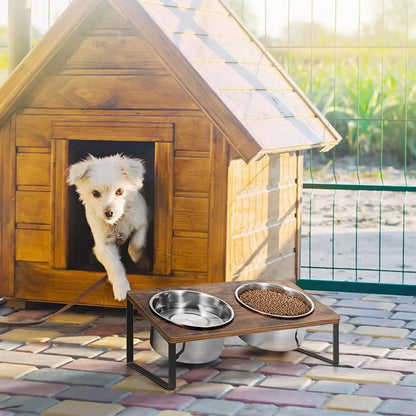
(171, 384)
(335, 355)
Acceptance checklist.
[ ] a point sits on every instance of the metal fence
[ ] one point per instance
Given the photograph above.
(355, 59)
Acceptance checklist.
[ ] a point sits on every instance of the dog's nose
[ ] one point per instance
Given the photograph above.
(108, 213)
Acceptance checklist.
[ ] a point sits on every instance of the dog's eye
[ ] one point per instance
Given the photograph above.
(120, 191)
(96, 194)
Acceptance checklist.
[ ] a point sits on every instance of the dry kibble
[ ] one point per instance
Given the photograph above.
(274, 302)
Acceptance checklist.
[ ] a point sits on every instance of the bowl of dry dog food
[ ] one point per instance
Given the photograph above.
(276, 301)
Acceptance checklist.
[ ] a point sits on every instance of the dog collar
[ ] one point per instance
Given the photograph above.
(119, 236)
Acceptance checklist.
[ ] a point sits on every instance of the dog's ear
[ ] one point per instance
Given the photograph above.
(79, 170)
(134, 170)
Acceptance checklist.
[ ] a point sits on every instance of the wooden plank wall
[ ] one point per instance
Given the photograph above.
(109, 73)
(262, 221)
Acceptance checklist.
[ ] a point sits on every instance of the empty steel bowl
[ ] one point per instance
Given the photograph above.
(272, 286)
(192, 352)
(191, 308)
(283, 340)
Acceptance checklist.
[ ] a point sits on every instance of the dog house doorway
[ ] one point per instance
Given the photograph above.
(153, 143)
(80, 240)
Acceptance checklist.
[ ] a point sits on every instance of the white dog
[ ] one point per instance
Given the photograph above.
(115, 210)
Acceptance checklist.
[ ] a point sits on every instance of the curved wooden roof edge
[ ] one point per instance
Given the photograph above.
(24, 77)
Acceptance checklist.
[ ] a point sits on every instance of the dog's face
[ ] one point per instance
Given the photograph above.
(105, 184)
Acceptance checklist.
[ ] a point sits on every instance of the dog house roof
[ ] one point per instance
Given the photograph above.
(232, 77)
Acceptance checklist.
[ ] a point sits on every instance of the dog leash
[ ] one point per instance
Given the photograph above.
(15, 322)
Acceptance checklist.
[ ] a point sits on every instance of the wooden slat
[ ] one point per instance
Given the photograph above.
(193, 134)
(190, 214)
(190, 254)
(163, 209)
(299, 199)
(113, 131)
(110, 92)
(191, 175)
(33, 245)
(207, 5)
(60, 223)
(113, 52)
(33, 131)
(33, 169)
(7, 207)
(218, 208)
(33, 207)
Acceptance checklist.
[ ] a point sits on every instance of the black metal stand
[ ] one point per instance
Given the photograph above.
(335, 349)
(171, 383)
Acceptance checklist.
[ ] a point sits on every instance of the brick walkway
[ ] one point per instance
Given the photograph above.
(73, 365)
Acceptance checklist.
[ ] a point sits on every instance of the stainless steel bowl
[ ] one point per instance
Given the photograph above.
(191, 308)
(283, 340)
(272, 286)
(192, 352)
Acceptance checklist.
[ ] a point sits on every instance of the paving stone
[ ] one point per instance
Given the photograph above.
(116, 355)
(6, 413)
(29, 335)
(409, 380)
(38, 360)
(8, 370)
(25, 314)
(85, 378)
(100, 394)
(277, 397)
(388, 323)
(387, 392)
(292, 357)
(284, 369)
(32, 405)
(146, 357)
(300, 411)
(398, 407)
(404, 366)
(215, 407)
(327, 337)
(4, 310)
(327, 300)
(373, 313)
(158, 401)
(403, 354)
(75, 351)
(391, 343)
(411, 325)
(237, 364)
(240, 352)
(343, 328)
(354, 375)
(112, 342)
(377, 331)
(254, 409)
(199, 374)
(69, 329)
(4, 397)
(142, 335)
(353, 403)
(201, 389)
(385, 306)
(334, 387)
(142, 383)
(111, 320)
(405, 307)
(143, 345)
(163, 369)
(315, 346)
(173, 413)
(76, 339)
(412, 335)
(10, 345)
(389, 298)
(106, 330)
(34, 388)
(103, 366)
(74, 318)
(362, 350)
(406, 316)
(138, 411)
(238, 378)
(286, 382)
(83, 408)
(344, 360)
(34, 347)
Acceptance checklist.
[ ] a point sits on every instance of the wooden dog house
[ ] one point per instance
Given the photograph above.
(182, 84)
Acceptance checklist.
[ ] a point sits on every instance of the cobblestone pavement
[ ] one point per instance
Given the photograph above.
(74, 365)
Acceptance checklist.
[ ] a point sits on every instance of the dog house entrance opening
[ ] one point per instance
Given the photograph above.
(80, 240)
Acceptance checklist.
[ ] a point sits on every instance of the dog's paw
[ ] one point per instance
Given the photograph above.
(120, 289)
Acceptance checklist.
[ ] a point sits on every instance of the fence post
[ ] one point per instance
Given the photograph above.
(19, 31)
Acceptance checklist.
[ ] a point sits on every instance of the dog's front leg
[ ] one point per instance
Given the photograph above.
(137, 244)
(108, 255)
